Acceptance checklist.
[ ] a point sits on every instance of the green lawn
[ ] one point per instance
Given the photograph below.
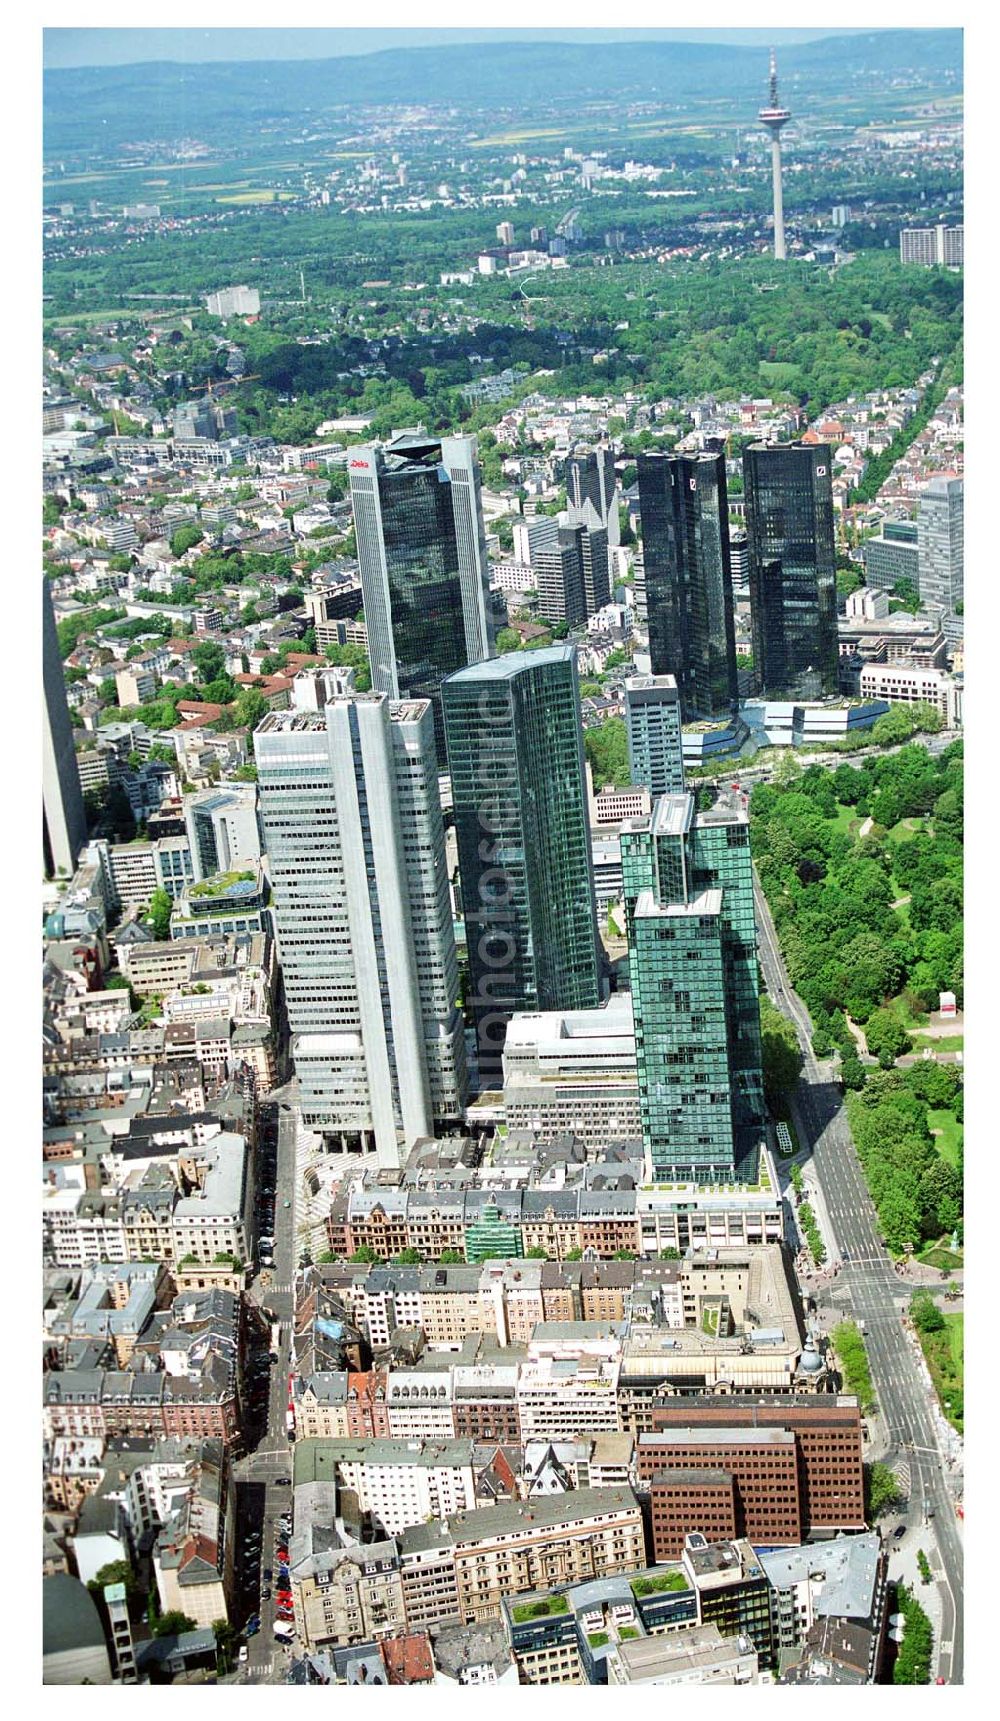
(907, 829)
(847, 817)
(941, 1254)
(946, 1043)
(911, 1023)
(945, 1359)
(950, 1137)
(779, 372)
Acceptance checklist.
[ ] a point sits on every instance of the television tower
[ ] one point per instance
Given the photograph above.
(774, 117)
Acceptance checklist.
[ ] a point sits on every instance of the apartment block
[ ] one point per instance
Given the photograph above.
(505, 1549)
(398, 1482)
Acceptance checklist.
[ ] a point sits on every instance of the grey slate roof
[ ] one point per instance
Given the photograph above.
(69, 1616)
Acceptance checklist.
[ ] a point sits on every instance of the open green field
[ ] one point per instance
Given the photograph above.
(947, 1042)
(778, 371)
(948, 1134)
(268, 196)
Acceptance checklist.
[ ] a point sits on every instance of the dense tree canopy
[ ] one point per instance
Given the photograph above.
(850, 938)
(606, 748)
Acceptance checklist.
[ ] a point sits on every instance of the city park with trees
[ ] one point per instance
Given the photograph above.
(862, 869)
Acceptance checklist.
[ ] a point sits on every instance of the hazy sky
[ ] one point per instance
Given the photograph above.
(65, 47)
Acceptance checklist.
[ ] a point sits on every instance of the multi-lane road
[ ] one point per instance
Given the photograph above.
(877, 1295)
(263, 1494)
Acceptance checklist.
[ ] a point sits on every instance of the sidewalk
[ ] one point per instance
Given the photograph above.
(903, 1568)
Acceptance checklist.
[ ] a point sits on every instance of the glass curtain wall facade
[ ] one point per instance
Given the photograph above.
(422, 558)
(688, 890)
(591, 478)
(941, 550)
(515, 752)
(688, 579)
(793, 570)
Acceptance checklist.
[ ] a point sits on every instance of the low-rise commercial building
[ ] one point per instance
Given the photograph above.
(907, 684)
(699, 1655)
(826, 1431)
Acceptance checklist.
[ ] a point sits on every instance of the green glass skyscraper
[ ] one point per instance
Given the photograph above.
(515, 751)
(688, 889)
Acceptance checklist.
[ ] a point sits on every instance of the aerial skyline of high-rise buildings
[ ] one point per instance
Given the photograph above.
(415, 1055)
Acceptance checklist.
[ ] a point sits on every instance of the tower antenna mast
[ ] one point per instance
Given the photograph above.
(775, 118)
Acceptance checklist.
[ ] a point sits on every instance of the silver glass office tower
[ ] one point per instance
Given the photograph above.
(941, 550)
(591, 477)
(569, 554)
(352, 817)
(64, 821)
(422, 557)
(893, 557)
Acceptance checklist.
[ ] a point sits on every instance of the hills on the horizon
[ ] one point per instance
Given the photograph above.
(164, 99)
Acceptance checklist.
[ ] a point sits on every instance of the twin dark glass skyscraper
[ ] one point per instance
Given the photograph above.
(793, 569)
(689, 588)
(793, 577)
